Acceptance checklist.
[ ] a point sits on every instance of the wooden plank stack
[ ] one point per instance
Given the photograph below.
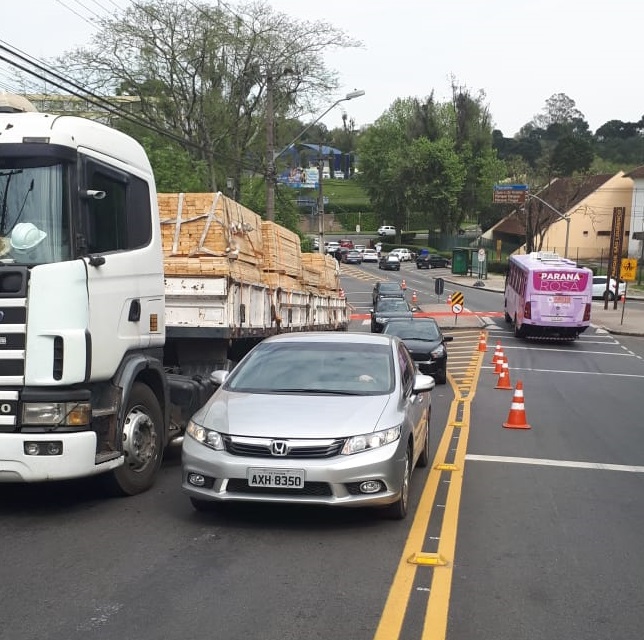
(211, 235)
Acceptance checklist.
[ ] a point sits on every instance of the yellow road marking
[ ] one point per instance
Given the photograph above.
(393, 615)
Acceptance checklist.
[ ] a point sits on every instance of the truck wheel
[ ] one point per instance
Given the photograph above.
(142, 443)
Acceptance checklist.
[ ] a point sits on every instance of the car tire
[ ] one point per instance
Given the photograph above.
(441, 377)
(398, 510)
(423, 459)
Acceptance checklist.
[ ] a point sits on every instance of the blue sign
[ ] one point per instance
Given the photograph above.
(510, 187)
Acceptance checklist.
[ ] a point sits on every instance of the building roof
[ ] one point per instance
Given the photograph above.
(638, 172)
(562, 194)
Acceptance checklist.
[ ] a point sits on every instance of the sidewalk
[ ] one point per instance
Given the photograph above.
(609, 319)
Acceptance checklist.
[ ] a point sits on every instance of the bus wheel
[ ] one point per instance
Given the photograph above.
(518, 331)
(508, 319)
(142, 444)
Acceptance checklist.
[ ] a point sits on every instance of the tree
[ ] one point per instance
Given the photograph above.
(201, 74)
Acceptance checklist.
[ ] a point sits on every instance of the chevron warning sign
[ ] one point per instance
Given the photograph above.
(458, 298)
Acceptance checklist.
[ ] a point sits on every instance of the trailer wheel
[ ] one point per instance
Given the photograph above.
(142, 444)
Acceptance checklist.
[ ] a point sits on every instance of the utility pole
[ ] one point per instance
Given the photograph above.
(320, 199)
(270, 149)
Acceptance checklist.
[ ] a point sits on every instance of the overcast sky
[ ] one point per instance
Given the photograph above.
(518, 53)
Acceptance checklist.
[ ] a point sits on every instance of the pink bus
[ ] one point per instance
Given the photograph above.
(547, 296)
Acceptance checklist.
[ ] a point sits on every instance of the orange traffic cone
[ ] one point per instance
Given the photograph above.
(449, 299)
(517, 418)
(403, 284)
(482, 343)
(498, 364)
(498, 351)
(414, 298)
(504, 377)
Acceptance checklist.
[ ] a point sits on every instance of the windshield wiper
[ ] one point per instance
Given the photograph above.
(314, 391)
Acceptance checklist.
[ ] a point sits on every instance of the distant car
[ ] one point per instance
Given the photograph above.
(599, 288)
(316, 243)
(367, 425)
(347, 244)
(360, 247)
(425, 342)
(431, 261)
(403, 254)
(387, 309)
(369, 255)
(331, 247)
(389, 263)
(387, 289)
(386, 230)
(352, 257)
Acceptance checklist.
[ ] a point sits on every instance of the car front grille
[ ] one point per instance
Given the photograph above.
(296, 449)
(239, 485)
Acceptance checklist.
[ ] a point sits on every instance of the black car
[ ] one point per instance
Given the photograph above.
(389, 263)
(431, 261)
(426, 343)
(386, 309)
(387, 289)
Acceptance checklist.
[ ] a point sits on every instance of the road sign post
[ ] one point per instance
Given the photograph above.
(457, 303)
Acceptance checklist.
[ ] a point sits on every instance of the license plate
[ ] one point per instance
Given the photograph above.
(561, 300)
(276, 478)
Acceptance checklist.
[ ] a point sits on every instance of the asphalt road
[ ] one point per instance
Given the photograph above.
(546, 538)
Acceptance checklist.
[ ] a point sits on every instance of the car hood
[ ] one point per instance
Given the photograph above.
(296, 415)
(421, 347)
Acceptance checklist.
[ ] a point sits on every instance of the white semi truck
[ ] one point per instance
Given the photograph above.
(103, 356)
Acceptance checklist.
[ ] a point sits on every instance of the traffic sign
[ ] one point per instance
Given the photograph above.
(457, 308)
(457, 298)
(628, 268)
(510, 193)
(439, 286)
(481, 255)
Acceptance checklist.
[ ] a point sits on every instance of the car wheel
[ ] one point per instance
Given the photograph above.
(508, 319)
(423, 459)
(418, 266)
(398, 510)
(441, 377)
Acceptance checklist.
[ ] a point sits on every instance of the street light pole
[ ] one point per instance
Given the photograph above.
(561, 215)
(273, 155)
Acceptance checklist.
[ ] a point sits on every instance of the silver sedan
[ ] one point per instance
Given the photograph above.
(338, 419)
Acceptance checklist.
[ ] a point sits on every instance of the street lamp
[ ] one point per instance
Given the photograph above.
(274, 155)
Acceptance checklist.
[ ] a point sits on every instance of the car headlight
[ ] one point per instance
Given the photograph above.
(380, 319)
(439, 352)
(207, 437)
(356, 444)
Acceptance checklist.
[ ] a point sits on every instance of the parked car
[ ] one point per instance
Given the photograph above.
(599, 287)
(360, 247)
(404, 255)
(431, 261)
(425, 342)
(249, 442)
(386, 309)
(389, 263)
(387, 289)
(370, 255)
(347, 244)
(352, 257)
(386, 230)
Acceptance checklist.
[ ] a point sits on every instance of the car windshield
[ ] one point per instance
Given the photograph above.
(392, 304)
(413, 330)
(387, 287)
(314, 368)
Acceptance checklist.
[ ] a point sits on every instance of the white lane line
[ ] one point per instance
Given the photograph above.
(557, 463)
(577, 373)
(572, 353)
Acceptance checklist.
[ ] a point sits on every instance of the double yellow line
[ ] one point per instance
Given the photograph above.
(435, 622)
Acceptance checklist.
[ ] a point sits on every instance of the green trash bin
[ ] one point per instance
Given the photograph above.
(460, 261)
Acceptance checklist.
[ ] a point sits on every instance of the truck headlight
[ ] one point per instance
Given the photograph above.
(67, 414)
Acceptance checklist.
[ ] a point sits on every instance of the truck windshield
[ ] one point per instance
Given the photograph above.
(34, 218)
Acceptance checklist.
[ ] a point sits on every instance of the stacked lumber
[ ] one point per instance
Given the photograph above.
(198, 225)
(281, 249)
(327, 268)
(209, 234)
